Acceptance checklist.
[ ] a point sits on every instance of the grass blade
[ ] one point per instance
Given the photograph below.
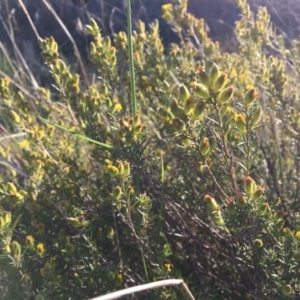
(130, 54)
(82, 136)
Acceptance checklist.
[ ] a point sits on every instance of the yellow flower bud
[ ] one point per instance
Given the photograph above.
(120, 167)
(217, 217)
(29, 241)
(136, 120)
(214, 73)
(126, 168)
(113, 170)
(11, 188)
(249, 185)
(117, 192)
(225, 95)
(40, 249)
(75, 222)
(204, 146)
(16, 118)
(200, 90)
(286, 289)
(16, 248)
(2, 225)
(241, 201)
(7, 218)
(211, 202)
(258, 243)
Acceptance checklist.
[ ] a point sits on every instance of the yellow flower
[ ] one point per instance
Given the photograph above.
(297, 234)
(168, 267)
(167, 11)
(40, 249)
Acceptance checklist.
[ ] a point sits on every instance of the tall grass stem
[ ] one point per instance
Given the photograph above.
(130, 54)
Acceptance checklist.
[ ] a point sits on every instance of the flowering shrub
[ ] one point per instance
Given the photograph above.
(202, 184)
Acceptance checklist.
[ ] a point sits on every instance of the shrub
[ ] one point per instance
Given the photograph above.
(202, 184)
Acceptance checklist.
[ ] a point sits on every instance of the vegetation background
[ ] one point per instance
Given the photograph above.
(202, 184)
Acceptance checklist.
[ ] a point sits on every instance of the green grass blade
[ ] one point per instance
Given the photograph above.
(82, 136)
(130, 54)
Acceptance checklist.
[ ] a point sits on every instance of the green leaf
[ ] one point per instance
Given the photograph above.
(82, 136)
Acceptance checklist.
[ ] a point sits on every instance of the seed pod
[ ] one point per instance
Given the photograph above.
(178, 125)
(211, 202)
(189, 105)
(263, 209)
(177, 111)
(240, 122)
(258, 193)
(200, 90)
(183, 93)
(225, 95)
(214, 73)
(199, 109)
(278, 216)
(250, 97)
(204, 77)
(255, 116)
(220, 82)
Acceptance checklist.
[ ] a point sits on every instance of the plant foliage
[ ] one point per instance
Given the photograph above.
(202, 183)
